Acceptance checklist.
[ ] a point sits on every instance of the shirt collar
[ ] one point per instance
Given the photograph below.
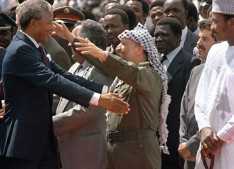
(33, 40)
(172, 54)
(183, 36)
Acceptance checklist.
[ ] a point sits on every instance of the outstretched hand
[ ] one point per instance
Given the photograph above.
(85, 47)
(113, 103)
(61, 30)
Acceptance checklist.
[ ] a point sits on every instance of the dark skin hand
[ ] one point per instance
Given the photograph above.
(210, 142)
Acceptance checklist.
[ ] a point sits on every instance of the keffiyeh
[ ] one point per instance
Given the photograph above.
(141, 35)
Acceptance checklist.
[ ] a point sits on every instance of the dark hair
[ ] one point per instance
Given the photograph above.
(173, 23)
(29, 10)
(157, 3)
(204, 24)
(94, 32)
(192, 11)
(185, 4)
(50, 1)
(123, 15)
(131, 15)
(145, 7)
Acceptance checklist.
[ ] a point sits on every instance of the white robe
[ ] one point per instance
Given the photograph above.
(214, 102)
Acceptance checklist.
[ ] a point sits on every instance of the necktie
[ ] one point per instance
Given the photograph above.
(164, 57)
(45, 59)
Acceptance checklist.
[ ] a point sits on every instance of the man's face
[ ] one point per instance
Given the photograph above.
(175, 8)
(42, 28)
(205, 41)
(165, 39)
(130, 50)
(156, 13)
(113, 26)
(5, 37)
(203, 7)
(219, 27)
(137, 8)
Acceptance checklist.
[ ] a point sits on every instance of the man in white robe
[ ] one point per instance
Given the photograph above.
(214, 102)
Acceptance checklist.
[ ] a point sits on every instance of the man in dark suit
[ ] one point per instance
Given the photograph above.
(179, 9)
(29, 79)
(178, 64)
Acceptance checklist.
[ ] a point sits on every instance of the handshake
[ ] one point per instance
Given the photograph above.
(113, 103)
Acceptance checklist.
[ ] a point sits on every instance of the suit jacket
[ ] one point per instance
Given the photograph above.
(58, 54)
(178, 74)
(190, 42)
(141, 87)
(28, 84)
(188, 123)
(81, 132)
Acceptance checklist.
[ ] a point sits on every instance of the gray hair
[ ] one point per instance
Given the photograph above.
(32, 9)
(94, 32)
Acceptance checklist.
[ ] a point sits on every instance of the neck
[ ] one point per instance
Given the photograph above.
(29, 32)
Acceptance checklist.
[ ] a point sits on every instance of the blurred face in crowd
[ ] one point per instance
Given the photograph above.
(113, 26)
(156, 13)
(222, 28)
(130, 50)
(205, 41)
(203, 8)
(5, 36)
(41, 29)
(165, 39)
(137, 8)
(175, 8)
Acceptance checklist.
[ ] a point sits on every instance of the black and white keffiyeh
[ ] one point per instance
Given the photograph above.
(141, 35)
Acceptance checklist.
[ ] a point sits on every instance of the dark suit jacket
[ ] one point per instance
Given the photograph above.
(190, 42)
(178, 74)
(188, 123)
(28, 84)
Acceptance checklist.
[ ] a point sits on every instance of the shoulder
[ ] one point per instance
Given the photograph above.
(216, 53)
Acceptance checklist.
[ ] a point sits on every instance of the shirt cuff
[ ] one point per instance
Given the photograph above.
(95, 99)
(105, 89)
(226, 133)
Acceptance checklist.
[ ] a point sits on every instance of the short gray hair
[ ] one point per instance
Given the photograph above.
(32, 9)
(94, 32)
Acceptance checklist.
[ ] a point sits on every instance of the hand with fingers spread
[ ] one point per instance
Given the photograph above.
(61, 30)
(84, 46)
(113, 103)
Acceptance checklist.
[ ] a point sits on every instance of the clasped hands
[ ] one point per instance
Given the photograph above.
(210, 142)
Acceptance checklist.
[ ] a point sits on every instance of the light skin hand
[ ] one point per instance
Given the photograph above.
(113, 103)
(185, 152)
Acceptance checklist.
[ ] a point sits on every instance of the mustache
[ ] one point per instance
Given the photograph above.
(201, 47)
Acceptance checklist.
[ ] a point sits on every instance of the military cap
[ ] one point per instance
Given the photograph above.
(6, 23)
(68, 14)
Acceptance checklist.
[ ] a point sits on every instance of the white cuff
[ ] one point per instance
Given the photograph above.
(105, 89)
(95, 99)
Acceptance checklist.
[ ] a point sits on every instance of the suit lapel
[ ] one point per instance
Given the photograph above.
(64, 102)
(174, 67)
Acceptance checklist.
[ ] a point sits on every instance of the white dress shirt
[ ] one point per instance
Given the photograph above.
(170, 57)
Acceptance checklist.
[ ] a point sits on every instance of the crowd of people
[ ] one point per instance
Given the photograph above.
(116, 84)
